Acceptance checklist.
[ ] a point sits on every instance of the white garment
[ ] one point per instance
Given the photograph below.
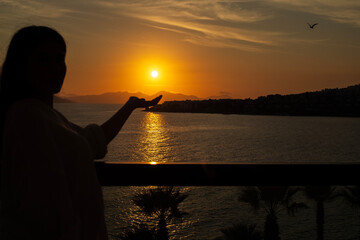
(50, 189)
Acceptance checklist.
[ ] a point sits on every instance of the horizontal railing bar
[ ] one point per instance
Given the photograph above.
(198, 174)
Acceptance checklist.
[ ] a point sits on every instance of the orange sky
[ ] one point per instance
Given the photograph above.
(203, 48)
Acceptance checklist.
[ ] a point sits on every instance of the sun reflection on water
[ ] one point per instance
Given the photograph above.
(154, 144)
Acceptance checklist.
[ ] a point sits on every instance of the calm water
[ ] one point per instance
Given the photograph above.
(182, 137)
(187, 137)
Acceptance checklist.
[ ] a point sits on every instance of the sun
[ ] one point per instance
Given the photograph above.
(154, 74)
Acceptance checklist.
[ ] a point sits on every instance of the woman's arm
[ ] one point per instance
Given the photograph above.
(112, 126)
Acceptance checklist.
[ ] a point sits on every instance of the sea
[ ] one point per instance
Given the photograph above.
(219, 138)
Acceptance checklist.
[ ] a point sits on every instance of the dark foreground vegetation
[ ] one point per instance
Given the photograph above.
(328, 102)
(163, 202)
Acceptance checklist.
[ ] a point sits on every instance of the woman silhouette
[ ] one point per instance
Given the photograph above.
(49, 187)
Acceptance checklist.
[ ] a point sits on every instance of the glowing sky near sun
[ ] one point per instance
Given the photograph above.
(205, 48)
(154, 74)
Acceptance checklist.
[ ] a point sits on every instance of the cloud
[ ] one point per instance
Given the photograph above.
(240, 24)
(237, 12)
(343, 11)
(213, 34)
(208, 23)
(33, 8)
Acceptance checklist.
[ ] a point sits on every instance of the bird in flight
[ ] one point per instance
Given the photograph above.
(312, 25)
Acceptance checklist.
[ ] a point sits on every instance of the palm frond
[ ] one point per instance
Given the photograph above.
(251, 196)
(319, 193)
(295, 207)
(292, 191)
(161, 199)
(273, 193)
(352, 195)
(145, 202)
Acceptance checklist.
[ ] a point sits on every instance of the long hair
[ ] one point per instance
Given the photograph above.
(13, 83)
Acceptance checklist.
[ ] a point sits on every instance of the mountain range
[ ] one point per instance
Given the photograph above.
(122, 97)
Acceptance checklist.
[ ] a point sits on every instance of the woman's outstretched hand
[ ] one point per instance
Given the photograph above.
(112, 126)
(142, 103)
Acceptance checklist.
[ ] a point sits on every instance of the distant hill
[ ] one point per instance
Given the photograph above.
(223, 96)
(327, 102)
(174, 96)
(58, 99)
(122, 97)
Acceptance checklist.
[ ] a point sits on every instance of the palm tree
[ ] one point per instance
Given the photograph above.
(163, 202)
(273, 199)
(352, 195)
(319, 194)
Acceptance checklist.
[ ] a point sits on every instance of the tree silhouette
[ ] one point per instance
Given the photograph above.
(319, 194)
(327, 102)
(163, 202)
(352, 195)
(273, 199)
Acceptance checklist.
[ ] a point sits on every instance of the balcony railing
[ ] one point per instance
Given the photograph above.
(206, 174)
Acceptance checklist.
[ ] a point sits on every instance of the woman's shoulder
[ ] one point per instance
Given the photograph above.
(28, 102)
(27, 109)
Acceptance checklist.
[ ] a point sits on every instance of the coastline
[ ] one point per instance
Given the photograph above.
(343, 102)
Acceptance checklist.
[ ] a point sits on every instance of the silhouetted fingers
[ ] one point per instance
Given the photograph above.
(132, 98)
(155, 101)
(141, 102)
